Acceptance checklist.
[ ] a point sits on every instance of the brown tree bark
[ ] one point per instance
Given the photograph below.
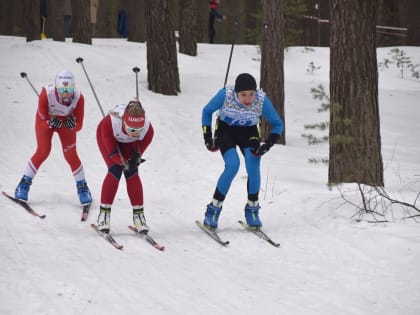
(355, 141)
(82, 31)
(136, 21)
(11, 21)
(162, 62)
(55, 25)
(410, 18)
(272, 59)
(32, 18)
(107, 19)
(188, 27)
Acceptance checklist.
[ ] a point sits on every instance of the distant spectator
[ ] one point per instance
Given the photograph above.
(43, 17)
(67, 18)
(214, 14)
(43, 9)
(93, 13)
(122, 23)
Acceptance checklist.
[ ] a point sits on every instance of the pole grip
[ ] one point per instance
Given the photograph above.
(25, 76)
(136, 71)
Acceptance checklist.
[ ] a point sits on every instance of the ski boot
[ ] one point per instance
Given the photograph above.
(140, 221)
(211, 217)
(104, 219)
(251, 214)
(83, 192)
(22, 188)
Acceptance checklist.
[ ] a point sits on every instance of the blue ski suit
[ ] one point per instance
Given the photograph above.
(238, 125)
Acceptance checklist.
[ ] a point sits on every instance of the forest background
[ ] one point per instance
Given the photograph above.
(307, 21)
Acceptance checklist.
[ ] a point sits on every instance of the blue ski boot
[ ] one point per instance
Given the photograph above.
(251, 215)
(83, 192)
(211, 216)
(22, 189)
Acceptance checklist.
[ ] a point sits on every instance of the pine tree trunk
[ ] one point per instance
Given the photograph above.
(188, 27)
(12, 21)
(82, 32)
(162, 62)
(106, 24)
(136, 21)
(410, 10)
(55, 26)
(32, 20)
(272, 59)
(355, 142)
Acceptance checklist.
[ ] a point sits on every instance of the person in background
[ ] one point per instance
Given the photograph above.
(123, 136)
(67, 18)
(93, 15)
(240, 109)
(60, 110)
(43, 17)
(122, 24)
(214, 14)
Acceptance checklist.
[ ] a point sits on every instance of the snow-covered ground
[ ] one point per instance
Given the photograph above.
(327, 263)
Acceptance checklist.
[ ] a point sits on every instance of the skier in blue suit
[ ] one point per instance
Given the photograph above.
(240, 108)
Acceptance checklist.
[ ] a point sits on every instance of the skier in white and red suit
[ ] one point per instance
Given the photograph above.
(123, 136)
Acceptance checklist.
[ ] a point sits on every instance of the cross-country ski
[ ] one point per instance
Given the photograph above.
(25, 205)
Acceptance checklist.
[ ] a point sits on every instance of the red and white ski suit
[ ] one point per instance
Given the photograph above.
(48, 107)
(112, 137)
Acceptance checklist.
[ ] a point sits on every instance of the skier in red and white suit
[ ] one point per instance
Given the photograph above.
(123, 136)
(60, 110)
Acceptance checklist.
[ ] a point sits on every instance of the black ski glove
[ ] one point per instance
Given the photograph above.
(265, 147)
(134, 161)
(210, 142)
(70, 122)
(55, 122)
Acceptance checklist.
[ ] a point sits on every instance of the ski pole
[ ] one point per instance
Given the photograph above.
(136, 71)
(80, 60)
(228, 67)
(25, 76)
(236, 22)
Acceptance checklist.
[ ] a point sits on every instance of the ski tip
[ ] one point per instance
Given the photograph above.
(159, 247)
(7, 195)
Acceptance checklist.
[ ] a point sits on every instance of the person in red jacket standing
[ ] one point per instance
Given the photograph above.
(123, 136)
(60, 110)
(214, 14)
